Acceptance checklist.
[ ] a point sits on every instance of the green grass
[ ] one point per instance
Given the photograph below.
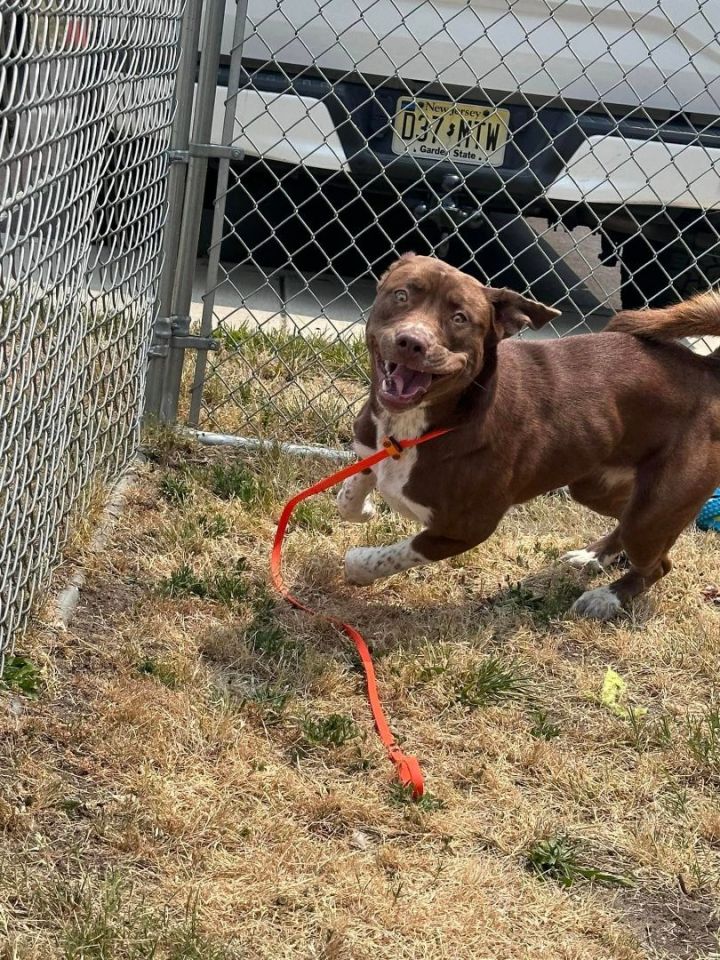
(491, 681)
(649, 733)
(544, 605)
(278, 352)
(175, 488)
(703, 733)
(557, 859)
(227, 585)
(213, 526)
(403, 795)
(183, 582)
(235, 481)
(163, 672)
(114, 924)
(543, 727)
(334, 730)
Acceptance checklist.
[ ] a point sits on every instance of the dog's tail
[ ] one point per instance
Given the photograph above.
(697, 317)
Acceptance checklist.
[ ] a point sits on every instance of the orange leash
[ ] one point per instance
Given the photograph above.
(407, 767)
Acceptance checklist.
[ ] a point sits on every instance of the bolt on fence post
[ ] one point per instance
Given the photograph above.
(228, 130)
(179, 143)
(184, 267)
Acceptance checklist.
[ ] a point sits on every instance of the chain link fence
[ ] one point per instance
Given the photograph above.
(568, 150)
(86, 101)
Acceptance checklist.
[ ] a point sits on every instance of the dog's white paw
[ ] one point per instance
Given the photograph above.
(598, 604)
(583, 559)
(361, 566)
(355, 512)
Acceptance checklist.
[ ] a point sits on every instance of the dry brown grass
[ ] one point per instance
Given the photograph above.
(179, 789)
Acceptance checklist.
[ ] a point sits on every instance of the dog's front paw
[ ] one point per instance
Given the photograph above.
(355, 511)
(583, 560)
(598, 604)
(360, 566)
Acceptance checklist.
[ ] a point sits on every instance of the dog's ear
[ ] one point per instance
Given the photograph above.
(513, 312)
(393, 266)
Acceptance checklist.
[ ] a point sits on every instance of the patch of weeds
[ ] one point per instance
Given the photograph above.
(226, 586)
(649, 733)
(492, 681)
(676, 800)
(543, 607)
(703, 734)
(22, 674)
(435, 664)
(213, 526)
(556, 859)
(175, 489)
(334, 730)
(268, 638)
(402, 795)
(115, 924)
(312, 517)
(161, 443)
(183, 582)
(230, 585)
(265, 635)
(150, 667)
(235, 481)
(270, 701)
(543, 727)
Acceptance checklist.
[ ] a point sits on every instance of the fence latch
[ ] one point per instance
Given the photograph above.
(175, 332)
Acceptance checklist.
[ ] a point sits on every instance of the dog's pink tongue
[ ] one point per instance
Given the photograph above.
(408, 382)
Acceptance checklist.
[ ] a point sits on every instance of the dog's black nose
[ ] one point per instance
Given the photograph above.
(411, 345)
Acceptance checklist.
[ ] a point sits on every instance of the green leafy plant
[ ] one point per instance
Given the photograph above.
(403, 795)
(22, 674)
(556, 859)
(543, 727)
(334, 730)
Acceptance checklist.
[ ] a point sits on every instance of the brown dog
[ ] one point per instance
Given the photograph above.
(630, 424)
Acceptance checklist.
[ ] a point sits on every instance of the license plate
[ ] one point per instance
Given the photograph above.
(440, 130)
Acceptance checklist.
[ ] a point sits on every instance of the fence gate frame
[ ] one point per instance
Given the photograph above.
(191, 149)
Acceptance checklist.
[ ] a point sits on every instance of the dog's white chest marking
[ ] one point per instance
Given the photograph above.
(393, 475)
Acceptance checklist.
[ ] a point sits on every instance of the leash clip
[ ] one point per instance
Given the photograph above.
(393, 447)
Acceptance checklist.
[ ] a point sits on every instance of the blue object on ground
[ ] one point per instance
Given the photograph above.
(709, 518)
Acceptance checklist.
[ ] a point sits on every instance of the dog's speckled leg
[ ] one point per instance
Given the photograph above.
(363, 565)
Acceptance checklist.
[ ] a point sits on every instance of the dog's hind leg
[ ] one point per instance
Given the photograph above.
(608, 494)
(663, 504)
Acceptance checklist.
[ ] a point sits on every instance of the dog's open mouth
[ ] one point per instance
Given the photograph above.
(400, 385)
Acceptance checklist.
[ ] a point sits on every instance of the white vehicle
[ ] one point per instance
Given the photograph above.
(458, 114)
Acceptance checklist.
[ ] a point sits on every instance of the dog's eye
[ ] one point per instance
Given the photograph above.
(459, 318)
(401, 296)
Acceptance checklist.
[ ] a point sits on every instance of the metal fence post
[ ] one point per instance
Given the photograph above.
(192, 211)
(179, 144)
(229, 120)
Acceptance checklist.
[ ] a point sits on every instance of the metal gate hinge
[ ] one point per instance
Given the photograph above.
(174, 332)
(195, 343)
(207, 150)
